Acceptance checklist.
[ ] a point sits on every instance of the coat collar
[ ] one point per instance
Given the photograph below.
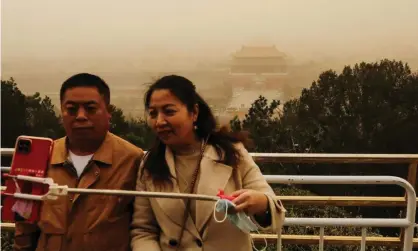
(212, 177)
(104, 154)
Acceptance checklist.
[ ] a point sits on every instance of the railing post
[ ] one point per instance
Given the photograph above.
(412, 179)
(413, 174)
(363, 239)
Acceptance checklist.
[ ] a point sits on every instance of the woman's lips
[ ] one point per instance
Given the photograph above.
(164, 134)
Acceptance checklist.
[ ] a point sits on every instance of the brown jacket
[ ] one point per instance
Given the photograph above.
(157, 221)
(86, 222)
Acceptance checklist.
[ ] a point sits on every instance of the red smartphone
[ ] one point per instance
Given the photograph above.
(31, 158)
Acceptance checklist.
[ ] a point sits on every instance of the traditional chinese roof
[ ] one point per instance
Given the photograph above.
(258, 52)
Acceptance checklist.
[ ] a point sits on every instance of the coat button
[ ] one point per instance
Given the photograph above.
(172, 242)
(199, 243)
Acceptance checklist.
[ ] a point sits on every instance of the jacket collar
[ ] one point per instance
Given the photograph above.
(104, 154)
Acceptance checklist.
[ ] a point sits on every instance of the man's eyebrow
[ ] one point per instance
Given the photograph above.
(90, 102)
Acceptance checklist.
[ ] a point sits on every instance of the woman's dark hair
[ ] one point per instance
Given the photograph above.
(222, 139)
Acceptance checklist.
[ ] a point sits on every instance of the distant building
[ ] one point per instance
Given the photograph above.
(258, 66)
(255, 71)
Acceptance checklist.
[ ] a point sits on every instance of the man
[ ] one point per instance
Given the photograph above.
(88, 157)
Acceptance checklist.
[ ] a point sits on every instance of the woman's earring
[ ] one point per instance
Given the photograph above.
(195, 127)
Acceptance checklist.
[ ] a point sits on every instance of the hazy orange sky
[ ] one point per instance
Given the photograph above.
(43, 42)
(90, 28)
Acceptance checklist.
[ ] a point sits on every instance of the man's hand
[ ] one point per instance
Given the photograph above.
(250, 201)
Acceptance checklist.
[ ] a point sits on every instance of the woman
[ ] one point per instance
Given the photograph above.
(191, 156)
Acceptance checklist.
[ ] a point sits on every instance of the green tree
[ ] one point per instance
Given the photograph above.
(13, 112)
(30, 115)
(368, 108)
(118, 125)
(262, 122)
(133, 130)
(140, 133)
(41, 118)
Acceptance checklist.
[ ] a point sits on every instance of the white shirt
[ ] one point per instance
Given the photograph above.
(80, 162)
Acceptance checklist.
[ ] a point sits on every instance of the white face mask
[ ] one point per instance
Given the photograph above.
(240, 220)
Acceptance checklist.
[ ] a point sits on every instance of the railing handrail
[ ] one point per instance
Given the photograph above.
(408, 222)
(7, 151)
(315, 157)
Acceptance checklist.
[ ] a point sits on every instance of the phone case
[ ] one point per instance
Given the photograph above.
(31, 158)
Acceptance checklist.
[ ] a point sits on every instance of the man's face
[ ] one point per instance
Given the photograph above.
(85, 114)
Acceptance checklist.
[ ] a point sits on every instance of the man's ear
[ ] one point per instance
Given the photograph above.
(109, 113)
(195, 112)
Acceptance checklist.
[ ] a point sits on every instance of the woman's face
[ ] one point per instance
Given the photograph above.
(170, 119)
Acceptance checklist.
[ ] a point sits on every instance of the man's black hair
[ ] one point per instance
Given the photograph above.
(86, 80)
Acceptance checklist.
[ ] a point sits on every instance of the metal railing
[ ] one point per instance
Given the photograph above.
(406, 223)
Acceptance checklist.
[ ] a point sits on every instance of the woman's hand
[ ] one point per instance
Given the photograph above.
(250, 201)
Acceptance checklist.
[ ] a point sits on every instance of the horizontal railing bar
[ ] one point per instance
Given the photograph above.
(326, 222)
(331, 240)
(335, 158)
(7, 227)
(338, 201)
(5, 169)
(309, 222)
(7, 151)
(315, 157)
(301, 239)
(347, 222)
(343, 201)
(338, 180)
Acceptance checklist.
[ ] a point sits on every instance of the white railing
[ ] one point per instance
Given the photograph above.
(314, 157)
(407, 223)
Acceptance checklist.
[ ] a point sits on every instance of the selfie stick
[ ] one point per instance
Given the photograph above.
(56, 190)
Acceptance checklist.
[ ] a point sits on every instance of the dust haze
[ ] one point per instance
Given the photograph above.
(128, 42)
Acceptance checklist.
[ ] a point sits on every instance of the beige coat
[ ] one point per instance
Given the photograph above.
(157, 221)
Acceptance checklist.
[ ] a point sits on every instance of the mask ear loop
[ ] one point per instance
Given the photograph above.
(17, 185)
(252, 241)
(225, 216)
(226, 211)
(265, 243)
